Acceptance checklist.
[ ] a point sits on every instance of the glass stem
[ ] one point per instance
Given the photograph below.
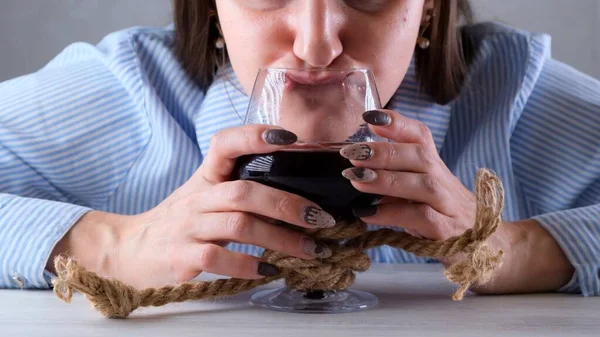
(314, 294)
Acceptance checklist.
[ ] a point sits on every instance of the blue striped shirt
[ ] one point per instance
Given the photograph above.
(118, 126)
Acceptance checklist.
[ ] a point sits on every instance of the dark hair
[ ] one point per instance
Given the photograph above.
(441, 68)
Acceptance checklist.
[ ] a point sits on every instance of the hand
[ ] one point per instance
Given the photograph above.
(184, 235)
(421, 193)
(422, 196)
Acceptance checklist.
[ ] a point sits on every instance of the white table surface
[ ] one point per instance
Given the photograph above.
(414, 301)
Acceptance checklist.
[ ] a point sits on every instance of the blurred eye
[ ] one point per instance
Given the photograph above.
(368, 5)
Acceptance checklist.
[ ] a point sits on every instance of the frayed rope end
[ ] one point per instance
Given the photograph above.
(64, 267)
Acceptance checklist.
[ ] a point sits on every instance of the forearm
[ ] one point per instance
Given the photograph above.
(93, 241)
(533, 261)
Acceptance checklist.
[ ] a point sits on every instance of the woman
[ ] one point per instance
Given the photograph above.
(120, 154)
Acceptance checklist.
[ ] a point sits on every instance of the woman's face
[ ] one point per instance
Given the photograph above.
(376, 34)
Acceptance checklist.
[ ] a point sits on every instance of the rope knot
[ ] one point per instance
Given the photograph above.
(334, 273)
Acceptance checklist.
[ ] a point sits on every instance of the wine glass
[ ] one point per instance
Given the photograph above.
(324, 109)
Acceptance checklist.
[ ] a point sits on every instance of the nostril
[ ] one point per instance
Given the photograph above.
(318, 54)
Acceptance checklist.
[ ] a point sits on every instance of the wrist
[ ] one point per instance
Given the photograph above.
(533, 261)
(547, 264)
(93, 241)
(512, 239)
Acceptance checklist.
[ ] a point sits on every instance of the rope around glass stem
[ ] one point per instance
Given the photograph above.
(115, 299)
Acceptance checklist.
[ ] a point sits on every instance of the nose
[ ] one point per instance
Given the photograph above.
(318, 28)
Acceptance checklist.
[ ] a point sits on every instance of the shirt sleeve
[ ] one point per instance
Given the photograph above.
(69, 134)
(556, 154)
(29, 230)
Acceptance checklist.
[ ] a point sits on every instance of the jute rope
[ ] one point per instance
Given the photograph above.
(348, 242)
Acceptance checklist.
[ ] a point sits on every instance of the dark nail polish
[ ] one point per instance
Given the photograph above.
(365, 211)
(318, 217)
(279, 137)
(267, 269)
(357, 152)
(323, 251)
(320, 248)
(359, 174)
(312, 248)
(376, 117)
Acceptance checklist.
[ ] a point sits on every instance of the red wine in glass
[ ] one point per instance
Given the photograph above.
(313, 174)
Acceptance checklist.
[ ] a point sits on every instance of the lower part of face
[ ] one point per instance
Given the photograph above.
(318, 34)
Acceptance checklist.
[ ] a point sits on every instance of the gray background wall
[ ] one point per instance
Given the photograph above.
(33, 31)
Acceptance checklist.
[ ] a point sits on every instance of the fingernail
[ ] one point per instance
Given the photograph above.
(279, 137)
(359, 174)
(377, 117)
(318, 217)
(312, 248)
(365, 211)
(357, 152)
(267, 269)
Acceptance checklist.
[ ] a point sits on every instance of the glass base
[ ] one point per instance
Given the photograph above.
(314, 302)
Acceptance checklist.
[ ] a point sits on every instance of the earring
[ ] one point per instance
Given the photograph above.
(219, 51)
(220, 42)
(422, 41)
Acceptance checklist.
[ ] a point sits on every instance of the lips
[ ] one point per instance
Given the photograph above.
(315, 78)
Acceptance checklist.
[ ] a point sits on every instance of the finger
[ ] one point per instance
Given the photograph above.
(415, 217)
(229, 144)
(245, 228)
(252, 197)
(392, 156)
(418, 187)
(414, 233)
(215, 259)
(394, 126)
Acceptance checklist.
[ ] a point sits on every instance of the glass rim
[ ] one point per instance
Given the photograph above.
(339, 70)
